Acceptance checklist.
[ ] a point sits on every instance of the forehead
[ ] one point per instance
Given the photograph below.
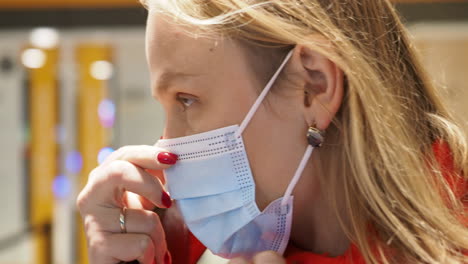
(171, 46)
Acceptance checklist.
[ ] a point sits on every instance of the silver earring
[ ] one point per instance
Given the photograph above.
(315, 137)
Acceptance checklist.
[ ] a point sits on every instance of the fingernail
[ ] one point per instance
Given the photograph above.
(167, 158)
(161, 137)
(167, 258)
(166, 199)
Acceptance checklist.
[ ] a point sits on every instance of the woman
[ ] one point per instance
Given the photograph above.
(385, 183)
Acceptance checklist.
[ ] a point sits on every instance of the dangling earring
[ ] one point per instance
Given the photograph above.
(315, 137)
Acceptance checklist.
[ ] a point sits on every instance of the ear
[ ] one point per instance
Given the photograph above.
(322, 82)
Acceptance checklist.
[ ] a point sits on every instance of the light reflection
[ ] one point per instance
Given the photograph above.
(104, 153)
(61, 187)
(101, 70)
(44, 38)
(73, 162)
(106, 112)
(33, 58)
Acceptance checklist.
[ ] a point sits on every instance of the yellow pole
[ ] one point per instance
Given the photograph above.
(43, 167)
(92, 136)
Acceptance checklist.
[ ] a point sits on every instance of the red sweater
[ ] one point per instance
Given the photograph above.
(352, 255)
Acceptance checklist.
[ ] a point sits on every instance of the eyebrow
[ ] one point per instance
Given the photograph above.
(165, 80)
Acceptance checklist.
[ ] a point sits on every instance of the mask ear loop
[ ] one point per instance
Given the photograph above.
(254, 109)
(297, 175)
(262, 96)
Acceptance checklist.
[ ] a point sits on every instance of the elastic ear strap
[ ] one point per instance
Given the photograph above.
(262, 96)
(297, 175)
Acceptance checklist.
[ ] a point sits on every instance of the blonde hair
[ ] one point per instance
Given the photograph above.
(401, 207)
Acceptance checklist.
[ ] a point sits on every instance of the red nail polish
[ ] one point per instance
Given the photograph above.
(167, 258)
(167, 158)
(161, 137)
(166, 200)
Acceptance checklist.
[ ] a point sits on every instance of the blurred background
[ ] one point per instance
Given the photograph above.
(74, 86)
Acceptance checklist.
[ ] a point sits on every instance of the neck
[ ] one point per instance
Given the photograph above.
(316, 226)
(320, 232)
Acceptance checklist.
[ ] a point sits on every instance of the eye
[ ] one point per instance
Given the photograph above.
(185, 99)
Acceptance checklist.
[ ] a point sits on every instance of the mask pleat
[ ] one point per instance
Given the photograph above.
(209, 180)
(229, 222)
(195, 209)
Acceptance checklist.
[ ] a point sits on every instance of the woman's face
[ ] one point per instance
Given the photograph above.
(208, 83)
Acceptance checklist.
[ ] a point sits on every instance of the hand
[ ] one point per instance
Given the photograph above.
(266, 257)
(130, 177)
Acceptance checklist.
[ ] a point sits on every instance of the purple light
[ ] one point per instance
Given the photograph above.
(104, 153)
(73, 162)
(106, 112)
(61, 186)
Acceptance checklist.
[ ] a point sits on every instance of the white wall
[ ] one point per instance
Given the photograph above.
(12, 191)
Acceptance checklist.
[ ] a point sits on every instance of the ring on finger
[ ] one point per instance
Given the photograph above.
(123, 228)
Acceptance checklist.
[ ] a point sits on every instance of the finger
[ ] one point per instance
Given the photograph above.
(114, 248)
(268, 257)
(110, 183)
(141, 221)
(145, 203)
(136, 201)
(136, 221)
(238, 261)
(129, 247)
(147, 157)
(159, 174)
(132, 200)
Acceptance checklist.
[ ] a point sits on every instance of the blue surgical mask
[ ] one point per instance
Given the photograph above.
(214, 190)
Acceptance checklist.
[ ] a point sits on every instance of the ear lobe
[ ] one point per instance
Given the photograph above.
(323, 87)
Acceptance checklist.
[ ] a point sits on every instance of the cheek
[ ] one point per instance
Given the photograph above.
(275, 144)
(216, 109)
(176, 126)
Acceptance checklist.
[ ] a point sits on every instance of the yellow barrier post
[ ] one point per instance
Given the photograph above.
(43, 167)
(92, 136)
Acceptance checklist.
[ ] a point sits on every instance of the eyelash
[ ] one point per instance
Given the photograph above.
(185, 99)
